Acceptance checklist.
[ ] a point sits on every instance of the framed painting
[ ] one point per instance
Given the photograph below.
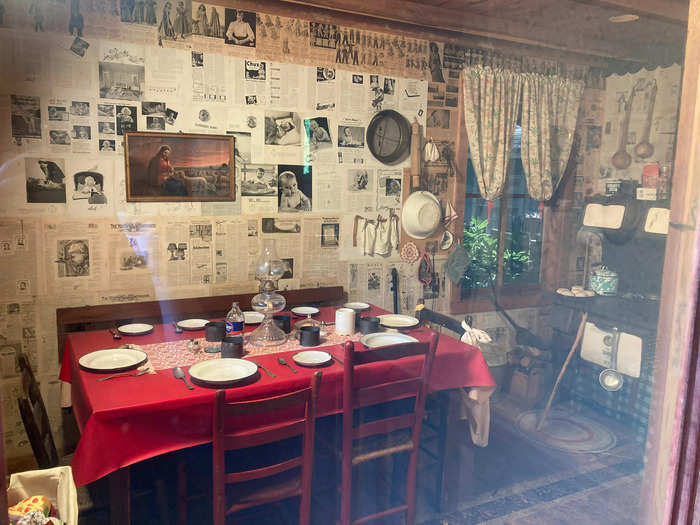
(177, 167)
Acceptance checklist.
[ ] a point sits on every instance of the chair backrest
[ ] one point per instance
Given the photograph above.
(35, 418)
(426, 315)
(303, 400)
(355, 396)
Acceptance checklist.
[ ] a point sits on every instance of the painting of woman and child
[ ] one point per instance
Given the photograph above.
(167, 167)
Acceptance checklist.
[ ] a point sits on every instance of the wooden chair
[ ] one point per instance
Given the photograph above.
(224, 440)
(434, 439)
(36, 423)
(402, 432)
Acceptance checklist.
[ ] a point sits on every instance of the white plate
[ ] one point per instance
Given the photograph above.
(253, 317)
(112, 360)
(385, 339)
(192, 324)
(222, 372)
(312, 358)
(398, 321)
(135, 329)
(357, 306)
(301, 311)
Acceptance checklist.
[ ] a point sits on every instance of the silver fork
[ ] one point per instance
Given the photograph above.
(123, 374)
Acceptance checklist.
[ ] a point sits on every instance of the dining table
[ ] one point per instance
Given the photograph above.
(126, 420)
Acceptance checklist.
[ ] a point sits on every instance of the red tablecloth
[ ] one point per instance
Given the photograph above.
(127, 420)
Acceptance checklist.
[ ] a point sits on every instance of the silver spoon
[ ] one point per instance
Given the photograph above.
(180, 374)
(283, 361)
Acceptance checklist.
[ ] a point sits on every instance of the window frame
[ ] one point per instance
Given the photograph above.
(557, 218)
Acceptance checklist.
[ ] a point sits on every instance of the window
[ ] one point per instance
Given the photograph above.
(506, 248)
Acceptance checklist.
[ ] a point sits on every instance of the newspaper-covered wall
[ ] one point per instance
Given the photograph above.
(296, 95)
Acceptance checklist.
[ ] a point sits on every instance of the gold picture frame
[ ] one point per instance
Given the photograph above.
(179, 167)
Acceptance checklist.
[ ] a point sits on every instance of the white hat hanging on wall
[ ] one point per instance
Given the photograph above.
(421, 215)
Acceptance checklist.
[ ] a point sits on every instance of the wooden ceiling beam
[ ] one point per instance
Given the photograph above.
(670, 10)
(523, 32)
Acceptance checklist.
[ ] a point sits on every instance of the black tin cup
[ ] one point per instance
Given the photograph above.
(232, 346)
(214, 331)
(369, 325)
(284, 321)
(309, 335)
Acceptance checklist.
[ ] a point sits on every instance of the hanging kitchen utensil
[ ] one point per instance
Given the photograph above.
(644, 148)
(425, 270)
(621, 159)
(395, 289)
(446, 241)
(431, 153)
(457, 263)
(610, 379)
(389, 138)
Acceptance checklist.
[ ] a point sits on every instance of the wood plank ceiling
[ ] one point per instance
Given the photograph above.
(578, 26)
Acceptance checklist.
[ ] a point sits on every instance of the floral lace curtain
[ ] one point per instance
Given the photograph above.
(491, 101)
(549, 113)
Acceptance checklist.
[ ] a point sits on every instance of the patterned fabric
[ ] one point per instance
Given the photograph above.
(491, 99)
(170, 354)
(550, 109)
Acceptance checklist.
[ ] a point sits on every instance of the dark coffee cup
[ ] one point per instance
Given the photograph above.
(232, 346)
(309, 335)
(284, 321)
(369, 325)
(358, 314)
(214, 331)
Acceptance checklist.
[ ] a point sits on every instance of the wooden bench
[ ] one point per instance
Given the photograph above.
(85, 318)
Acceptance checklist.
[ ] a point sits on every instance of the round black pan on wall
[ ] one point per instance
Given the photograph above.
(389, 137)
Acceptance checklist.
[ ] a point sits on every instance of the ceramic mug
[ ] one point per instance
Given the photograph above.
(232, 346)
(309, 335)
(214, 331)
(345, 321)
(369, 325)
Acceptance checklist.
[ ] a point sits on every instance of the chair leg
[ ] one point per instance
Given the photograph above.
(346, 488)
(162, 499)
(182, 493)
(443, 399)
(411, 488)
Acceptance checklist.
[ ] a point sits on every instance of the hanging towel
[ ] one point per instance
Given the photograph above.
(387, 235)
(369, 235)
(457, 263)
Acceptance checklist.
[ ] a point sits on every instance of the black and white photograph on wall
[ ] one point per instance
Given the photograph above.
(325, 36)
(46, 180)
(73, 258)
(130, 260)
(58, 113)
(295, 188)
(81, 133)
(273, 225)
(240, 27)
(330, 235)
(357, 79)
(138, 11)
(121, 81)
(153, 108)
(126, 119)
(26, 116)
(318, 133)
(351, 137)
(197, 59)
(289, 268)
(206, 20)
(255, 70)
(324, 74)
(435, 63)
(89, 185)
(438, 118)
(392, 188)
(389, 86)
(107, 145)
(106, 128)
(251, 100)
(359, 180)
(258, 180)
(105, 110)
(79, 46)
(221, 269)
(80, 109)
(155, 123)
(252, 228)
(374, 281)
(170, 116)
(59, 137)
(282, 128)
